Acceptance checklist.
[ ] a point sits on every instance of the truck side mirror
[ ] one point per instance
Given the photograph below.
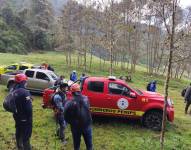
(132, 95)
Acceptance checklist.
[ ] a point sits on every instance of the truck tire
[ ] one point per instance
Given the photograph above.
(10, 85)
(153, 120)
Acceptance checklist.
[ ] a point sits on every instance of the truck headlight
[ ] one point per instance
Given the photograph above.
(170, 102)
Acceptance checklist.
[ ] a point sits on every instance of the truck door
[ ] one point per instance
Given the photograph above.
(95, 90)
(41, 81)
(118, 99)
(30, 75)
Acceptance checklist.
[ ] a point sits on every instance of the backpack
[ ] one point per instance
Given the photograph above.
(78, 113)
(9, 102)
(148, 86)
(183, 92)
(52, 102)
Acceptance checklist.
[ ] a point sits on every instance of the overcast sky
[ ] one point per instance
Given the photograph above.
(185, 3)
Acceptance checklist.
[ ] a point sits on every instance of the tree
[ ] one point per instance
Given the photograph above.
(167, 10)
(41, 21)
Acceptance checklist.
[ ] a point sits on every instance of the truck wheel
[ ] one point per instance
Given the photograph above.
(153, 120)
(10, 86)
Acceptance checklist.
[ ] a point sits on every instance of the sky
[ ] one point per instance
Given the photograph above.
(185, 3)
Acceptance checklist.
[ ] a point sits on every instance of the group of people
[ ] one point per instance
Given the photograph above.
(73, 78)
(74, 112)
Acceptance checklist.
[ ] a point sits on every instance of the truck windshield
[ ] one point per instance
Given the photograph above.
(137, 90)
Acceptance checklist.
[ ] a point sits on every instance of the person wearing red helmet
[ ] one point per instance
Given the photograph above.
(23, 117)
(77, 114)
(20, 78)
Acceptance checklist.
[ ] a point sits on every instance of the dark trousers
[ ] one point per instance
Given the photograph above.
(23, 134)
(87, 135)
(187, 106)
(62, 126)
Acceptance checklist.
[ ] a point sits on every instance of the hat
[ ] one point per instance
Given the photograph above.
(20, 78)
(63, 85)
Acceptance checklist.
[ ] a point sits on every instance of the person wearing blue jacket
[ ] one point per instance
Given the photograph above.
(59, 102)
(73, 76)
(23, 116)
(153, 86)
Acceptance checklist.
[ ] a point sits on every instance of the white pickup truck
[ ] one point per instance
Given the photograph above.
(38, 79)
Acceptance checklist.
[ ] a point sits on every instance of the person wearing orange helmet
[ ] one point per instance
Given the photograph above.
(77, 114)
(23, 116)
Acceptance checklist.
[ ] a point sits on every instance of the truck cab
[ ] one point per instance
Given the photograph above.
(15, 67)
(38, 79)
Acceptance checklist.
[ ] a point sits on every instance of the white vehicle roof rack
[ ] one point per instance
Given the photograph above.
(112, 78)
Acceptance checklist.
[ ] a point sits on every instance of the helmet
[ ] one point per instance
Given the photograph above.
(74, 71)
(75, 88)
(63, 85)
(20, 77)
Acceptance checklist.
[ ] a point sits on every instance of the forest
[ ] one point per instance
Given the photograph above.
(125, 33)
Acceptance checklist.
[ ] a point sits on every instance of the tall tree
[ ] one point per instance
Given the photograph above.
(41, 21)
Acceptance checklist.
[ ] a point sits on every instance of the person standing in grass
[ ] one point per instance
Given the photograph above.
(59, 100)
(73, 76)
(187, 98)
(77, 114)
(23, 116)
(83, 76)
(152, 86)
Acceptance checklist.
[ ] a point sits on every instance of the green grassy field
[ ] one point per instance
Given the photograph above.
(108, 133)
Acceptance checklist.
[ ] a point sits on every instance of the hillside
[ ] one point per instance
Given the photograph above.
(108, 133)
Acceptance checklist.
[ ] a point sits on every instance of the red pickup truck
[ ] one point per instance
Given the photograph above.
(114, 97)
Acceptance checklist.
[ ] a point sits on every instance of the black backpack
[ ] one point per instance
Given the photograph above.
(77, 112)
(9, 102)
(183, 92)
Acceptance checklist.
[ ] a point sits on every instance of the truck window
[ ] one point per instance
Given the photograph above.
(12, 67)
(96, 86)
(23, 67)
(54, 77)
(118, 89)
(41, 76)
(29, 73)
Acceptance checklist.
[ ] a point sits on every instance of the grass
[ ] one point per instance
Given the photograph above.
(108, 133)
